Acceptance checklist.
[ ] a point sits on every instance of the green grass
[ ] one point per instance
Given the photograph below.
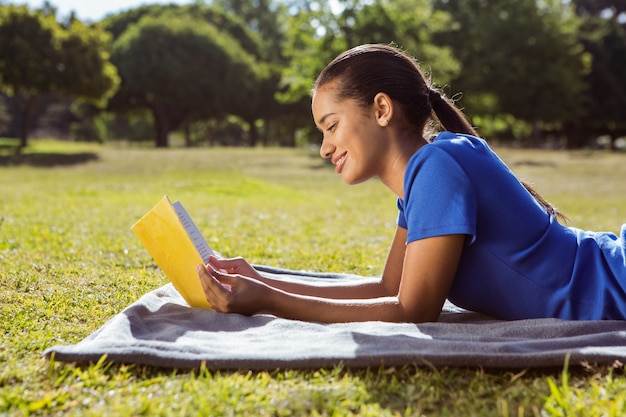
(68, 262)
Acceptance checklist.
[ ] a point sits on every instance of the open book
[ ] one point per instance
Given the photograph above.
(177, 246)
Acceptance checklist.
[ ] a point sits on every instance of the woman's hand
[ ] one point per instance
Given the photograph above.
(234, 266)
(232, 292)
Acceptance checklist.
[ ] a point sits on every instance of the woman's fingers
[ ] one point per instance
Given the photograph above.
(218, 263)
(231, 293)
(229, 265)
(215, 292)
(233, 266)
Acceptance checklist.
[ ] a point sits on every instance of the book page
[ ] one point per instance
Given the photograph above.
(194, 233)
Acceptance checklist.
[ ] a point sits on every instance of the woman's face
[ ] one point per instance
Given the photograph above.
(350, 138)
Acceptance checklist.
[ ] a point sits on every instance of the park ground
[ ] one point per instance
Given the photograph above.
(68, 262)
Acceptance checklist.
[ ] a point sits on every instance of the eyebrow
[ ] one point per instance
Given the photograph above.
(324, 117)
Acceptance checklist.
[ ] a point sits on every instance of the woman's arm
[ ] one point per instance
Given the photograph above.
(388, 285)
(429, 269)
(427, 273)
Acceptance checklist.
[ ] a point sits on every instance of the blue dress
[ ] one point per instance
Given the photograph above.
(518, 262)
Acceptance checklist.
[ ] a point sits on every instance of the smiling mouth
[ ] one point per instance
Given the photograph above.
(339, 162)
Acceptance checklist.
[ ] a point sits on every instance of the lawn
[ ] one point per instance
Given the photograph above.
(68, 262)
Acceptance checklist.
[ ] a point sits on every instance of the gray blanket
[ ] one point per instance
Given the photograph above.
(161, 330)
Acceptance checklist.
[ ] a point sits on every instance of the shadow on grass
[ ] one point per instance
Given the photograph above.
(533, 163)
(47, 160)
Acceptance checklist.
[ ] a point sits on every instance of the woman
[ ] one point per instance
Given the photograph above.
(467, 229)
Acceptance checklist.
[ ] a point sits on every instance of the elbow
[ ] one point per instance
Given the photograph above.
(428, 318)
(419, 314)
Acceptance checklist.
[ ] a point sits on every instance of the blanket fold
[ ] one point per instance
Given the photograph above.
(160, 330)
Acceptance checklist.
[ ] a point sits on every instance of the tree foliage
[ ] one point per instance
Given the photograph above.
(39, 56)
(519, 57)
(516, 66)
(597, 7)
(605, 40)
(224, 70)
(316, 34)
(409, 24)
(181, 69)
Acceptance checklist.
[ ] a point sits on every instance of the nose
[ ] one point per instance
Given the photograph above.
(326, 149)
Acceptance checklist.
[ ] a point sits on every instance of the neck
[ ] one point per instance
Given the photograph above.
(393, 176)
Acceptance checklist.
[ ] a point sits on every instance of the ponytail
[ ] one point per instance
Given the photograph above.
(450, 118)
(453, 120)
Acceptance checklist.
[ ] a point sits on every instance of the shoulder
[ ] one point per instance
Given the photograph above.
(445, 149)
(439, 190)
(458, 143)
(444, 166)
(468, 152)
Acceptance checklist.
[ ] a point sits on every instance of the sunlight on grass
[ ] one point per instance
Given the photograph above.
(599, 396)
(69, 262)
(60, 147)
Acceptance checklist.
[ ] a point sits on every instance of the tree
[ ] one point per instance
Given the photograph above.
(257, 101)
(5, 116)
(309, 45)
(604, 37)
(316, 33)
(410, 24)
(182, 69)
(597, 7)
(39, 56)
(264, 18)
(520, 58)
(267, 20)
(216, 15)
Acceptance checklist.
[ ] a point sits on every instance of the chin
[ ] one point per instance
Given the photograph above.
(354, 181)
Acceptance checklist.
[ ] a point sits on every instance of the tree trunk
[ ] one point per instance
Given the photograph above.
(536, 136)
(23, 133)
(27, 106)
(614, 137)
(161, 127)
(187, 131)
(161, 138)
(253, 134)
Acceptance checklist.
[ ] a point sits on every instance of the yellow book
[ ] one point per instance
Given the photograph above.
(177, 246)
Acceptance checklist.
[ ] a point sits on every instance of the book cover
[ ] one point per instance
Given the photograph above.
(177, 246)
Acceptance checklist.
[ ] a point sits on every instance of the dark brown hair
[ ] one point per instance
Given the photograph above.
(366, 70)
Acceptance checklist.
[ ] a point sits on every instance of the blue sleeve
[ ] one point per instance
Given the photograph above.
(439, 198)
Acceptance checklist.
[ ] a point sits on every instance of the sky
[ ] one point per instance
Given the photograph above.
(92, 10)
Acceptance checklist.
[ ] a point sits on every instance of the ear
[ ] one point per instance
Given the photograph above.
(383, 109)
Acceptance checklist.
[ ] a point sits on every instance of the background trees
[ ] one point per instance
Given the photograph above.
(239, 72)
(181, 69)
(38, 56)
(522, 62)
(603, 33)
